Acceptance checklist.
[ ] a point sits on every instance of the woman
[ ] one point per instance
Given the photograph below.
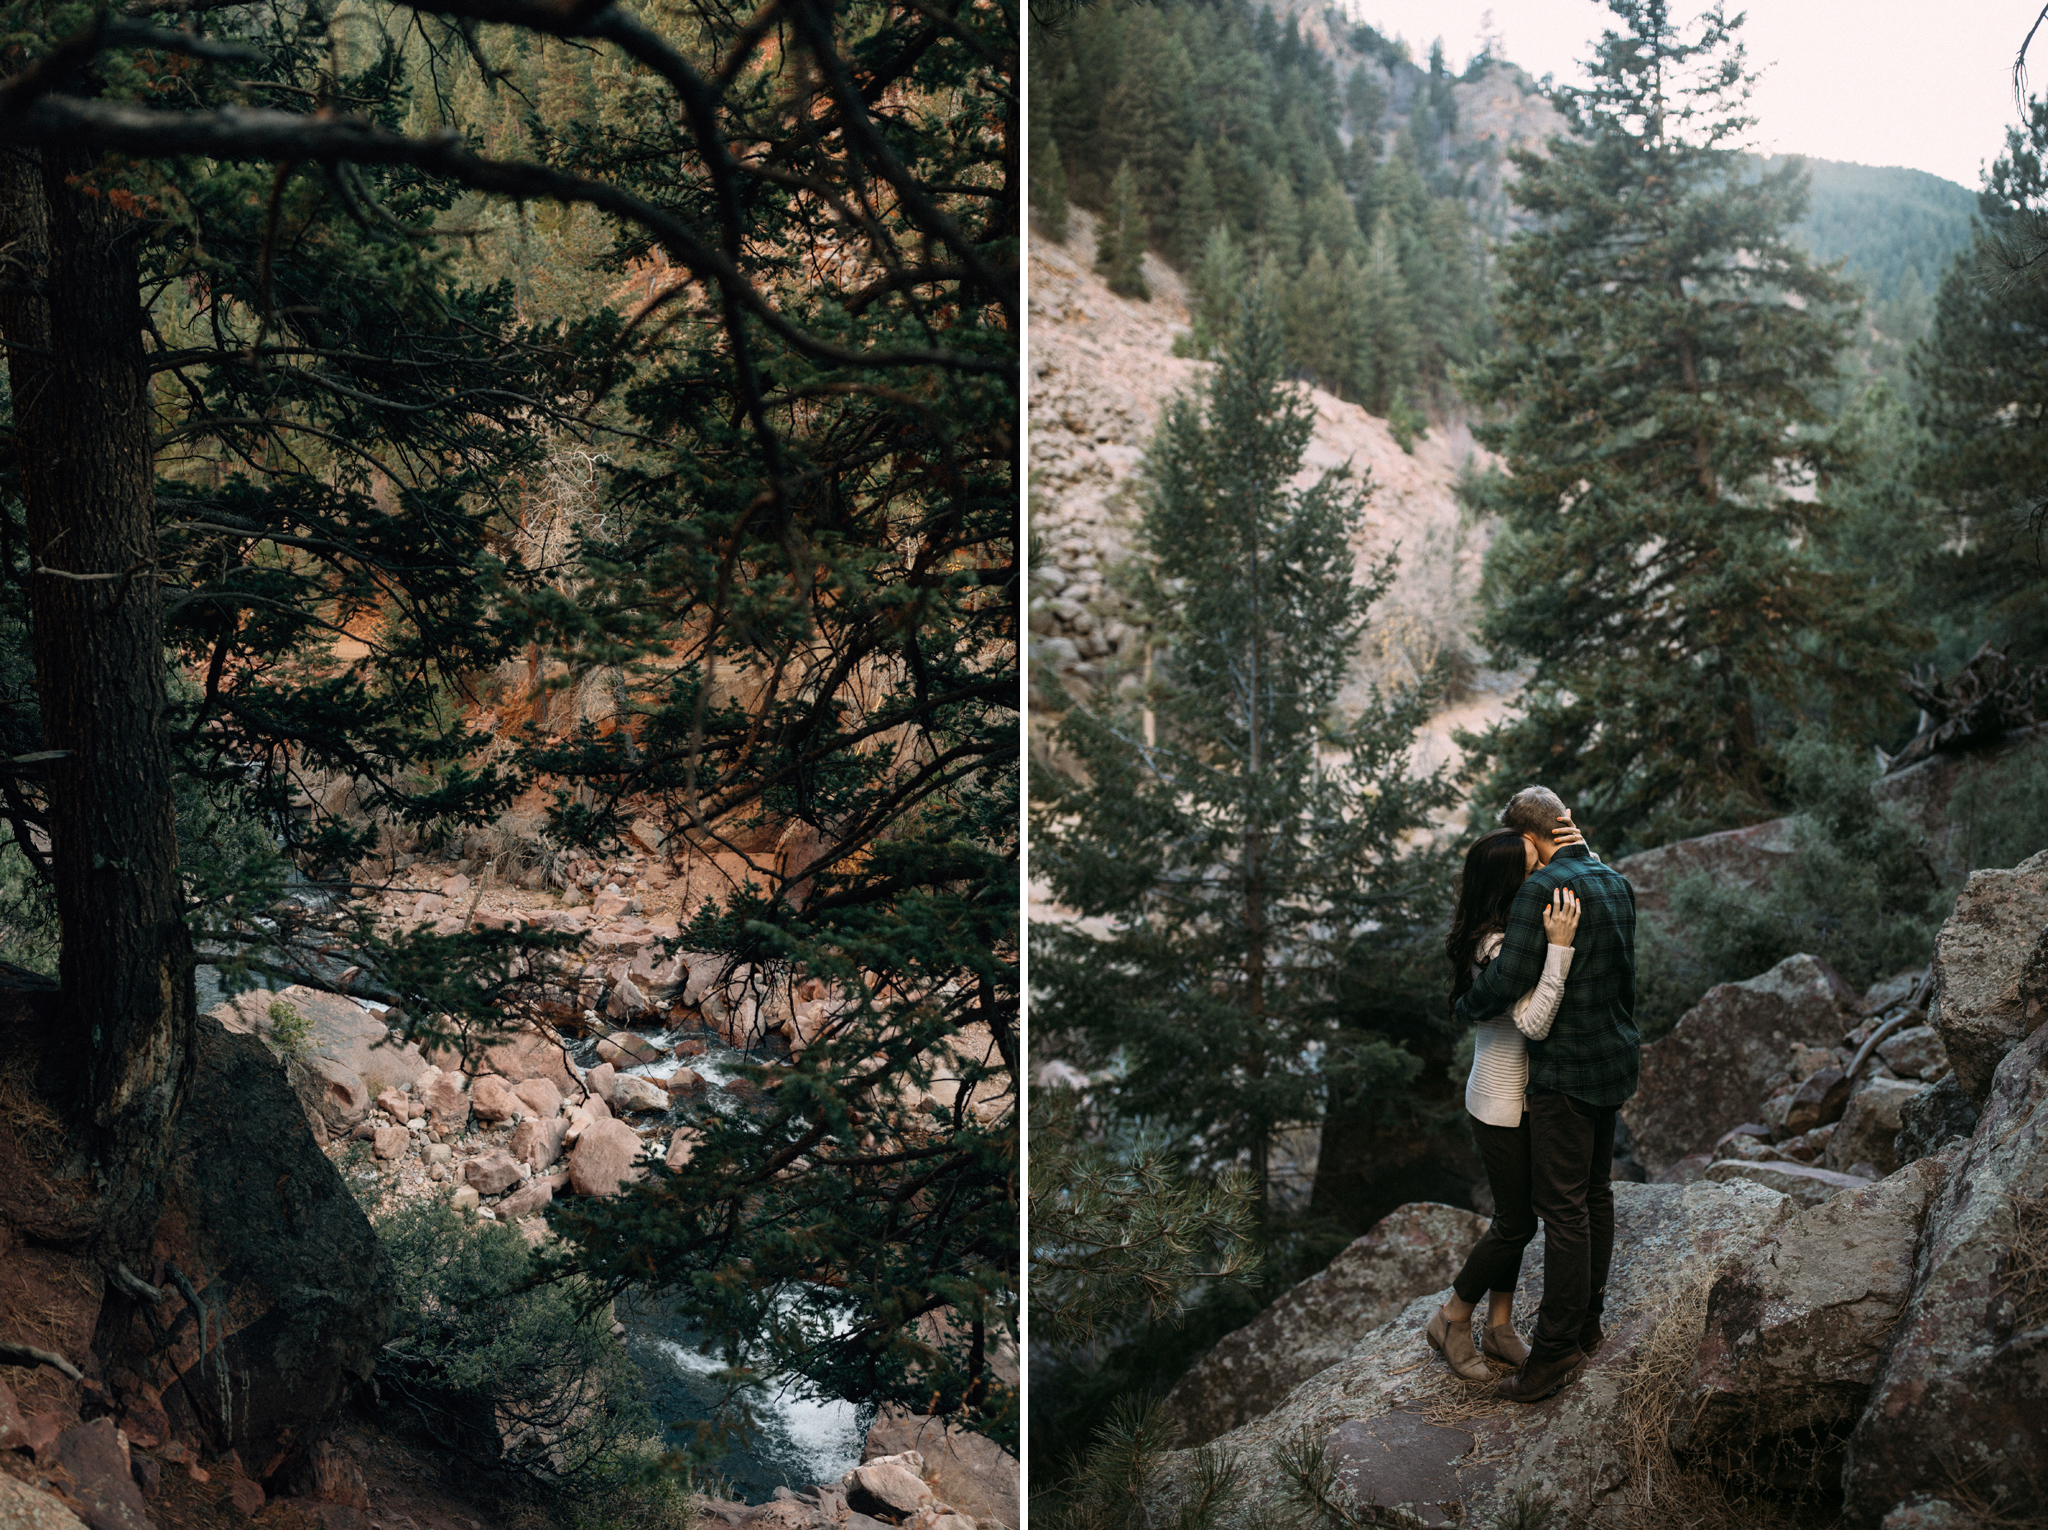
(1495, 1091)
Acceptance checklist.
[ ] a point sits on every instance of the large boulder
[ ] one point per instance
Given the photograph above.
(1796, 1332)
(1933, 1118)
(1979, 958)
(631, 1092)
(1869, 1131)
(1368, 1410)
(1963, 1394)
(539, 1143)
(334, 1095)
(1803, 1182)
(341, 1031)
(606, 1156)
(446, 1101)
(1415, 1248)
(491, 1099)
(294, 1293)
(970, 1473)
(26, 1508)
(1730, 1051)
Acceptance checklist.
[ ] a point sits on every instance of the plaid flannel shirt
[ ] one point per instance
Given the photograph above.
(1593, 1047)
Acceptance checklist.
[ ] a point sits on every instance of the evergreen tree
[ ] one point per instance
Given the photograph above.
(1195, 213)
(803, 541)
(1120, 239)
(1238, 837)
(1052, 201)
(1986, 415)
(1280, 224)
(1663, 341)
(1385, 358)
(1315, 323)
(1218, 290)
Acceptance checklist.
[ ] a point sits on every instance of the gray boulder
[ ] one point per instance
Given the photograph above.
(1869, 1129)
(1968, 1367)
(1729, 1052)
(1980, 956)
(1796, 1332)
(297, 1291)
(1936, 1116)
(1670, 1241)
(1803, 1182)
(1413, 1249)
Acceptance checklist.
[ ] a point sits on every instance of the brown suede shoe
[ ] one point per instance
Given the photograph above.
(1502, 1343)
(1454, 1342)
(1539, 1379)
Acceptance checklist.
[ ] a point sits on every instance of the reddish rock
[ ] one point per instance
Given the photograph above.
(690, 1046)
(143, 1418)
(606, 1156)
(13, 1427)
(624, 1049)
(1817, 1102)
(531, 1196)
(491, 1099)
(684, 1081)
(1414, 1249)
(389, 1142)
(1728, 1054)
(969, 1472)
(330, 1474)
(148, 1475)
(447, 1102)
(625, 1002)
(97, 1459)
(599, 1081)
(491, 1173)
(540, 1097)
(538, 1143)
(682, 1147)
(455, 887)
(332, 1091)
(610, 905)
(631, 1093)
(245, 1497)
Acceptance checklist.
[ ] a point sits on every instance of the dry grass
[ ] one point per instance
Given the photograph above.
(21, 1105)
(2026, 1265)
(1662, 1492)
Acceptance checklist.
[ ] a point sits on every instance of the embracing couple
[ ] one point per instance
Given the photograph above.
(1543, 963)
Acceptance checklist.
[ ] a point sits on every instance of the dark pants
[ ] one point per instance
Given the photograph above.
(1495, 1263)
(1571, 1157)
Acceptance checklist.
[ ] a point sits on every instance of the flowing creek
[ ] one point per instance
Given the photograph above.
(796, 1441)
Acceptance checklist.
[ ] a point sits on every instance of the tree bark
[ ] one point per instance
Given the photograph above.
(72, 321)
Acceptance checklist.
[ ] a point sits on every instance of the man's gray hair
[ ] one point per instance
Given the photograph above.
(1533, 810)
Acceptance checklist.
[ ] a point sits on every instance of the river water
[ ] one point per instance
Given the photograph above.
(797, 1441)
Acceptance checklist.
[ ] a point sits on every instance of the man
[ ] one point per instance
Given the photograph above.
(1578, 1076)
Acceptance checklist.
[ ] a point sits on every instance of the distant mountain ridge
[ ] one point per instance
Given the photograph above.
(1885, 221)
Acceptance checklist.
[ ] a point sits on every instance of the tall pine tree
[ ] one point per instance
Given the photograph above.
(1238, 837)
(1663, 343)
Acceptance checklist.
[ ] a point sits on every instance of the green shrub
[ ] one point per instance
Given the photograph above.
(288, 1028)
(508, 1372)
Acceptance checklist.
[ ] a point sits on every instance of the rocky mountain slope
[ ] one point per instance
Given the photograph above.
(1102, 371)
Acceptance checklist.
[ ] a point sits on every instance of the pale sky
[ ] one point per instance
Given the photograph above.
(1879, 82)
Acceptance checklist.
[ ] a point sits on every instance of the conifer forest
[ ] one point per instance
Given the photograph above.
(1407, 430)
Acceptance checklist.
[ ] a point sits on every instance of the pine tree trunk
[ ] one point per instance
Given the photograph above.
(82, 445)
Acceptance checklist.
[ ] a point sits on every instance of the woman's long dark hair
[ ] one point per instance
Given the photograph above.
(1495, 868)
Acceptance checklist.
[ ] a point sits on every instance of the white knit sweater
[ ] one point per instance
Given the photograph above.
(1497, 1089)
